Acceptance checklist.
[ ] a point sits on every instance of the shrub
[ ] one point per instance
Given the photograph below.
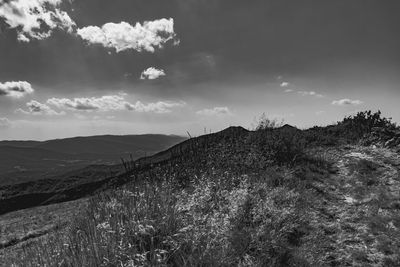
(284, 146)
(357, 126)
(265, 123)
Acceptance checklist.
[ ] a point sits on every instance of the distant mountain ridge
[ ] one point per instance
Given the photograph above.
(22, 161)
(101, 144)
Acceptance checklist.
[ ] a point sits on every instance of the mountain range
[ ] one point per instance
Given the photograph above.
(22, 161)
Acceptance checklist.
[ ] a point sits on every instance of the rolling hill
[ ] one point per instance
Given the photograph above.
(22, 161)
(277, 196)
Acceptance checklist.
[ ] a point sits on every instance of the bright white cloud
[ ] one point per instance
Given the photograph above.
(214, 111)
(284, 84)
(151, 74)
(112, 103)
(347, 102)
(15, 89)
(37, 108)
(4, 123)
(35, 19)
(123, 36)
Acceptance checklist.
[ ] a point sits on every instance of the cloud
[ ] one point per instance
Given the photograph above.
(4, 123)
(158, 107)
(284, 84)
(309, 93)
(112, 103)
(104, 103)
(37, 108)
(303, 93)
(151, 74)
(35, 19)
(214, 111)
(123, 36)
(15, 89)
(346, 102)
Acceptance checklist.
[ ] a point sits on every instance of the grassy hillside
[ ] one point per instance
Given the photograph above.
(277, 196)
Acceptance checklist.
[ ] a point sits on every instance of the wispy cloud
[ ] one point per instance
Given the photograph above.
(15, 89)
(37, 108)
(309, 93)
(35, 19)
(303, 93)
(290, 89)
(157, 107)
(4, 123)
(347, 102)
(152, 73)
(216, 111)
(123, 36)
(112, 103)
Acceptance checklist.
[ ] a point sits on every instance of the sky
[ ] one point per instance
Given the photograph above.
(90, 67)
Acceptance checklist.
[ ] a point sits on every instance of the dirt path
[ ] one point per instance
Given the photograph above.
(358, 216)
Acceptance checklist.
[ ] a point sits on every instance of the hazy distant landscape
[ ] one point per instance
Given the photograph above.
(23, 161)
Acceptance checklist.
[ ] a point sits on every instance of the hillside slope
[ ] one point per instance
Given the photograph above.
(271, 197)
(86, 181)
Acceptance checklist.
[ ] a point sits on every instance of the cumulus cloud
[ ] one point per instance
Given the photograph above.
(289, 90)
(214, 111)
(123, 36)
(37, 108)
(309, 93)
(15, 89)
(4, 123)
(112, 103)
(35, 19)
(105, 103)
(346, 102)
(151, 74)
(284, 84)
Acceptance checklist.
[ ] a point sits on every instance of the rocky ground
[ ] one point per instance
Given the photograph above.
(358, 214)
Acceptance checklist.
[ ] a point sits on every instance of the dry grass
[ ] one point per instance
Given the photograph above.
(220, 220)
(227, 205)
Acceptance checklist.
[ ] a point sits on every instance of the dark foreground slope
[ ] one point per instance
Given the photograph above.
(273, 197)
